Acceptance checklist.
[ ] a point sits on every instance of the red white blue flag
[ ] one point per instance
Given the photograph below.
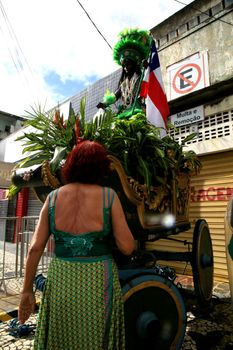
(152, 89)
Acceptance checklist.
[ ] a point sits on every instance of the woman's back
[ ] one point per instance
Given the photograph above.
(79, 208)
(82, 284)
(84, 208)
(82, 305)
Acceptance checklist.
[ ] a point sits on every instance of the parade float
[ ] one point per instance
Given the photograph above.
(151, 175)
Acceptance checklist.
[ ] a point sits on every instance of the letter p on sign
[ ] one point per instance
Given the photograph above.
(188, 75)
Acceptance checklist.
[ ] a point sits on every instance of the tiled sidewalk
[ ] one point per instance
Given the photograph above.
(220, 289)
(9, 301)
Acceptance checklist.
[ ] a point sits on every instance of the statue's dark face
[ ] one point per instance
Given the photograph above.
(129, 67)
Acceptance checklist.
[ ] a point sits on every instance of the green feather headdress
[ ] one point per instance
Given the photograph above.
(134, 44)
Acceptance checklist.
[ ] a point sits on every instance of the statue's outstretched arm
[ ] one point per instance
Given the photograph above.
(109, 99)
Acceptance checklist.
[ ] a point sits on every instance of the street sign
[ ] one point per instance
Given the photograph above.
(189, 116)
(188, 75)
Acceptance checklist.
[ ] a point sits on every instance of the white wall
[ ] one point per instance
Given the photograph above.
(10, 149)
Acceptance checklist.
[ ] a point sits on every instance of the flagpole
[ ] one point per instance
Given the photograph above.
(140, 81)
(137, 91)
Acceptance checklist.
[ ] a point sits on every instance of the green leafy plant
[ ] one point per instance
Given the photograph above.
(49, 138)
(135, 142)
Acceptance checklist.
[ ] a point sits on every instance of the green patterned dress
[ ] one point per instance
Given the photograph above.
(82, 306)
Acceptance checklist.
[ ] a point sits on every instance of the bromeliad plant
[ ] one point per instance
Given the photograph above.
(51, 138)
(135, 142)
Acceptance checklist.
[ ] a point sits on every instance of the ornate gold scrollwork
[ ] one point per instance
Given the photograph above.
(48, 178)
(162, 199)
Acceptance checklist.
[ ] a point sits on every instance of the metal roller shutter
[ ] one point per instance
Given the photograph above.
(210, 193)
(34, 204)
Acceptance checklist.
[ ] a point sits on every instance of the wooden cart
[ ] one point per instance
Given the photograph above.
(155, 314)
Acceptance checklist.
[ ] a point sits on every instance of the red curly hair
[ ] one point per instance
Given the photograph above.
(87, 163)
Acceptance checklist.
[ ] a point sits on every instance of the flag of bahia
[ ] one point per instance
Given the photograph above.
(152, 90)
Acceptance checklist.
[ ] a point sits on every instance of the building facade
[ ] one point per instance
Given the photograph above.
(9, 124)
(196, 54)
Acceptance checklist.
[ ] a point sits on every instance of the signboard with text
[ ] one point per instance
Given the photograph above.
(189, 116)
(188, 75)
(211, 194)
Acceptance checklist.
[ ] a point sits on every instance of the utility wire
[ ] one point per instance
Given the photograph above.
(203, 12)
(178, 1)
(94, 24)
(13, 37)
(17, 63)
(12, 57)
(16, 53)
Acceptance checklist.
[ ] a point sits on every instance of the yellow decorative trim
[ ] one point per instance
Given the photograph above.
(48, 178)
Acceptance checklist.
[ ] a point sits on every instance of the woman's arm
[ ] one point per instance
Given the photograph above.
(37, 246)
(123, 236)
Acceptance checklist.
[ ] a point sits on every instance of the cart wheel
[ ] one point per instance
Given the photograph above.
(155, 315)
(202, 262)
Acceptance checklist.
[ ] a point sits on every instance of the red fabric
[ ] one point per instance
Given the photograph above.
(157, 108)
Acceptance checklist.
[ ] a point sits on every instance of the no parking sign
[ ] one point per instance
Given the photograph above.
(188, 75)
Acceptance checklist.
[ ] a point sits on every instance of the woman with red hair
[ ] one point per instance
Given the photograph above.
(82, 305)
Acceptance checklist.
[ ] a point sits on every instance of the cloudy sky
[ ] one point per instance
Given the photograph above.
(50, 49)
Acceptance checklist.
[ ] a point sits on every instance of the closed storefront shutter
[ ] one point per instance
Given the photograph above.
(34, 204)
(210, 192)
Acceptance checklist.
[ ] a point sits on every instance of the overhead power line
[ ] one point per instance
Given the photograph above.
(12, 57)
(14, 37)
(15, 50)
(94, 24)
(178, 1)
(203, 12)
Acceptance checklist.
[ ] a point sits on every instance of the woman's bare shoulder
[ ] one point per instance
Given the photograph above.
(74, 189)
